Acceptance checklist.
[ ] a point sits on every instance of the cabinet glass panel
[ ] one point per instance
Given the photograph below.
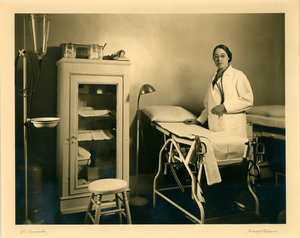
(96, 128)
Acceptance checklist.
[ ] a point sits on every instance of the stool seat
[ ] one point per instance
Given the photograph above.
(107, 186)
(104, 187)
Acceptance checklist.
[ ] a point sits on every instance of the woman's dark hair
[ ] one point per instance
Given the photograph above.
(224, 47)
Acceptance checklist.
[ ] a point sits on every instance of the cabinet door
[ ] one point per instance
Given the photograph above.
(95, 129)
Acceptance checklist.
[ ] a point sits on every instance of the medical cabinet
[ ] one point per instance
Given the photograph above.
(93, 136)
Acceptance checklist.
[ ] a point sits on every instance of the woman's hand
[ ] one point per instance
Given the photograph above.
(191, 122)
(218, 110)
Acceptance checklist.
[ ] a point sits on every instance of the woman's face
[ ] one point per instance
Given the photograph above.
(221, 58)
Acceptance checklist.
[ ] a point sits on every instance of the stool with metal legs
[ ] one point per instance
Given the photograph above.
(102, 187)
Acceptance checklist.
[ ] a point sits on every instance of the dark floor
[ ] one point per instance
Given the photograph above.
(271, 198)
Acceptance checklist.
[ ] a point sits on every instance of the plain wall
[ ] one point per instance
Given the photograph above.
(172, 52)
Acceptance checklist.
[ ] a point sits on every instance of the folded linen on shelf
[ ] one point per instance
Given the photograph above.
(83, 153)
(84, 157)
(102, 135)
(94, 112)
(95, 135)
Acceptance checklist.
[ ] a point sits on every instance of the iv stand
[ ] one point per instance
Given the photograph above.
(52, 122)
(25, 124)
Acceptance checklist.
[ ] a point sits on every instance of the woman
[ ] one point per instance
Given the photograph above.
(228, 97)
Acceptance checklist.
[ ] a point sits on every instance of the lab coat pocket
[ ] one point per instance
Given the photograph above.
(234, 123)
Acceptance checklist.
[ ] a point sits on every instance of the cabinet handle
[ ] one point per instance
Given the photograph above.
(73, 139)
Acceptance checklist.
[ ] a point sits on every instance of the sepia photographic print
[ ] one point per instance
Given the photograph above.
(150, 119)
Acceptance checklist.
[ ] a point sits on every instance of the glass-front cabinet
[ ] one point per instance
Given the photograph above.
(95, 129)
(93, 136)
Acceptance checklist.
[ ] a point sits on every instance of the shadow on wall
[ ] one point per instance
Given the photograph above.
(151, 141)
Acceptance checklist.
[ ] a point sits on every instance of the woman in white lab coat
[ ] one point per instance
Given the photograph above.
(229, 95)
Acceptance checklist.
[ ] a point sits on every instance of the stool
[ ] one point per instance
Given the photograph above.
(102, 187)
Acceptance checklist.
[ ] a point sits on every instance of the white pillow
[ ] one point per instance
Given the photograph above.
(168, 113)
(268, 110)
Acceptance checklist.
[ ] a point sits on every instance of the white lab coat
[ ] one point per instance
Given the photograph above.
(238, 97)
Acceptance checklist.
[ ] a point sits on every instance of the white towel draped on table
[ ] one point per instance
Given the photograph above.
(220, 146)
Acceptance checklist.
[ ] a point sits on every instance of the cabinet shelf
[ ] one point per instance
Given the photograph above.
(89, 135)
